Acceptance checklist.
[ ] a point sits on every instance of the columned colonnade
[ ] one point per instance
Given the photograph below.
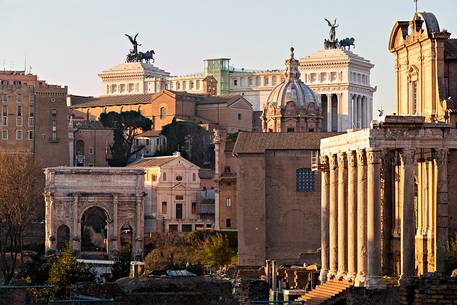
(363, 209)
(358, 112)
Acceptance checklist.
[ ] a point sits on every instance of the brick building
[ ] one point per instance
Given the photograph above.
(232, 112)
(278, 212)
(34, 117)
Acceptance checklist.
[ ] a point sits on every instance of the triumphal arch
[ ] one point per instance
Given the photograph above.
(98, 211)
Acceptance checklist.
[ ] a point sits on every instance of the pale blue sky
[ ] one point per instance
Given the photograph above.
(69, 42)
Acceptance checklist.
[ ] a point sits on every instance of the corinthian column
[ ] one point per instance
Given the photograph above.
(352, 214)
(342, 226)
(325, 192)
(407, 235)
(361, 218)
(374, 279)
(333, 237)
(442, 210)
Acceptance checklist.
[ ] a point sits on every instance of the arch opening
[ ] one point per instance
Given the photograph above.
(94, 231)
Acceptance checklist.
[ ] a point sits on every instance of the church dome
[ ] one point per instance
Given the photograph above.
(292, 89)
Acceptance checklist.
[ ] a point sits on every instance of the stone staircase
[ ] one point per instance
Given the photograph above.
(325, 293)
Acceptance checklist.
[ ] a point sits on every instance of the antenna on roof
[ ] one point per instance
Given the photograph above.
(25, 63)
(415, 1)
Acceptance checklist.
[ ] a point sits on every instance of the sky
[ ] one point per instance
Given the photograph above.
(68, 42)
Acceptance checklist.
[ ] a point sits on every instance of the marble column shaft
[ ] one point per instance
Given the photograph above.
(342, 225)
(352, 216)
(116, 233)
(361, 218)
(442, 210)
(374, 279)
(325, 198)
(333, 219)
(408, 223)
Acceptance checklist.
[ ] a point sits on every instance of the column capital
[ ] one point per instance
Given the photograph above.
(440, 155)
(352, 158)
(406, 156)
(342, 160)
(374, 156)
(324, 160)
(361, 158)
(333, 162)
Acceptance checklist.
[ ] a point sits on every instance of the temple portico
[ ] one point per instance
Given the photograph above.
(384, 194)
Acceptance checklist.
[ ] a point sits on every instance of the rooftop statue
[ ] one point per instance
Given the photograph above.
(332, 42)
(333, 27)
(134, 55)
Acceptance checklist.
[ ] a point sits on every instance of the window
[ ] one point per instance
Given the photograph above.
(194, 208)
(304, 180)
(228, 202)
(137, 87)
(31, 99)
(239, 116)
(130, 87)
(194, 176)
(164, 176)
(19, 134)
(290, 129)
(249, 81)
(228, 222)
(5, 110)
(184, 85)
(19, 121)
(265, 81)
(414, 97)
(164, 207)
(54, 131)
(178, 178)
(19, 110)
(19, 98)
(173, 228)
(91, 150)
(179, 211)
(179, 197)
(5, 98)
(191, 85)
(30, 135)
(153, 178)
(235, 82)
(4, 121)
(31, 110)
(163, 113)
(273, 81)
(186, 228)
(4, 134)
(122, 88)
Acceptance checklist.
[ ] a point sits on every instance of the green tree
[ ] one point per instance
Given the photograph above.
(193, 141)
(127, 125)
(217, 250)
(65, 272)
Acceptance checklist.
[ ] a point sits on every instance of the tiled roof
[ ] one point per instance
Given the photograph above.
(152, 162)
(258, 142)
(450, 49)
(79, 99)
(150, 133)
(202, 99)
(116, 100)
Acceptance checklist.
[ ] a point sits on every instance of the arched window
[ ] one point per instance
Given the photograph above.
(304, 180)
(163, 113)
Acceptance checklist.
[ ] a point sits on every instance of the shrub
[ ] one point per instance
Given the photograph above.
(451, 255)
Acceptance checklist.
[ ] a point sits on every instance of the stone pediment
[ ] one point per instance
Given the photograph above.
(179, 187)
